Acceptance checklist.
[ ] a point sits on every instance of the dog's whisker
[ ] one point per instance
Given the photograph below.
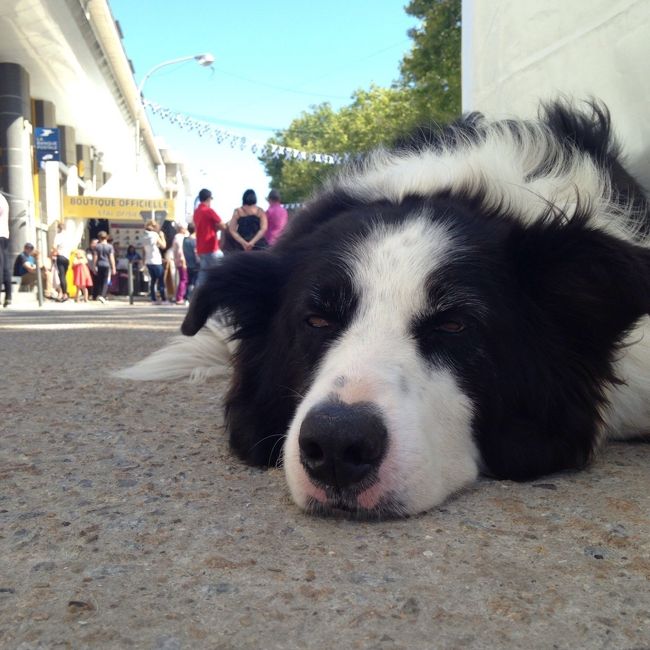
(293, 392)
(275, 444)
(261, 440)
(280, 459)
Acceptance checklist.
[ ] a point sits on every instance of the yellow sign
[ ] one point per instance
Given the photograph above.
(95, 207)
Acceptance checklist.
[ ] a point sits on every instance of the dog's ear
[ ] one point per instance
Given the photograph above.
(244, 286)
(580, 290)
(591, 285)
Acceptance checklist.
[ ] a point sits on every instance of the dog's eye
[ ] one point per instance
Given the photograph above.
(317, 321)
(450, 327)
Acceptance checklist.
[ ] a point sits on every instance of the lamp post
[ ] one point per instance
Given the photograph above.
(206, 59)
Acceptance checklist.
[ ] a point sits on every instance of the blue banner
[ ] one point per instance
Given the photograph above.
(46, 143)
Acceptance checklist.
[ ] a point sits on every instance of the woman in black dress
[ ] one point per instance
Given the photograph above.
(247, 227)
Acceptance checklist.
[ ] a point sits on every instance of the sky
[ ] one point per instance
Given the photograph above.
(273, 60)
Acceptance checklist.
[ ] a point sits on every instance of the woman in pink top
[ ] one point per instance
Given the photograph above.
(276, 216)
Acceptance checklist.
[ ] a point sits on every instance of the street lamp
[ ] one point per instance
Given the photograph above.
(206, 59)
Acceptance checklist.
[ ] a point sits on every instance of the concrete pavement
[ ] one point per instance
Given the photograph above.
(125, 523)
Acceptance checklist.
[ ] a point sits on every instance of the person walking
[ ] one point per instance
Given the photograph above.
(276, 216)
(154, 243)
(62, 258)
(90, 256)
(54, 273)
(104, 263)
(207, 222)
(81, 275)
(5, 261)
(180, 263)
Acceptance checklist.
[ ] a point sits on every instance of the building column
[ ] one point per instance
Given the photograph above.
(15, 155)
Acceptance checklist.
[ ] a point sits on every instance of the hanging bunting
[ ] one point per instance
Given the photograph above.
(221, 136)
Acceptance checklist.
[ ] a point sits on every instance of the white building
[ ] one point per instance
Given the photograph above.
(63, 68)
(516, 52)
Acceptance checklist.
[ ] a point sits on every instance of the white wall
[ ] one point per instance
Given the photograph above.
(516, 52)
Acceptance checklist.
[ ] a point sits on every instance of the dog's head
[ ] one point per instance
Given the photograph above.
(452, 307)
(404, 347)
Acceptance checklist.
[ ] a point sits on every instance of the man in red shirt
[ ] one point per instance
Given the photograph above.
(206, 222)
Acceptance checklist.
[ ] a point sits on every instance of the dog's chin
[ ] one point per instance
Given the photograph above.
(351, 505)
(371, 499)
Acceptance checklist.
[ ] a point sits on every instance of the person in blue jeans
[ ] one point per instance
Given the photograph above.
(104, 262)
(154, 244)
(191, 259)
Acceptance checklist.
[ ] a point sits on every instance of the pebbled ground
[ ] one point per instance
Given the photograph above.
(125, 523)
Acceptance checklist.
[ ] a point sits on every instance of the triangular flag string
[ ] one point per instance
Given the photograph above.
(224, 137)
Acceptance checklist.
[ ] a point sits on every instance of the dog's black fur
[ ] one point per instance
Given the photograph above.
(560, 296)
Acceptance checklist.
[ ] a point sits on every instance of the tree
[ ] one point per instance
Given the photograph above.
(428, 89)
(432, 69)
(374, 117)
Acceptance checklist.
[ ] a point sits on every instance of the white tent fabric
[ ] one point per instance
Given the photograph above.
(138, 185)
(518, 52)
(131, 186)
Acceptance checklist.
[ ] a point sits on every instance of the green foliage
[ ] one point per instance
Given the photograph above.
(429, 89)
(432, 69)
(374, 117)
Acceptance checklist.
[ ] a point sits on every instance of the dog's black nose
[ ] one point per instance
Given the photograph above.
(340, 444)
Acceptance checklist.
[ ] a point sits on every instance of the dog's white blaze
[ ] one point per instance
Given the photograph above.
(431, 452)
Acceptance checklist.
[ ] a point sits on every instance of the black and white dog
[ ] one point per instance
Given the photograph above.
(474, 300)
